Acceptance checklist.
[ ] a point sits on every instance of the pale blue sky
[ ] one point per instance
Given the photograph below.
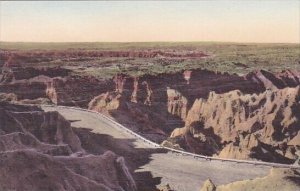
(238, 21)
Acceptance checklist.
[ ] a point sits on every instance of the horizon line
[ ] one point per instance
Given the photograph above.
(123, 42)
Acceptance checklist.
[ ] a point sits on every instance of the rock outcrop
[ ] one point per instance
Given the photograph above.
(286, 78)
(244, 150)
(50, 154)
(277, 180)
(106, 102)
(8, 97)
(263, 126)
(180, 90)
(54, 83)
(177, 104)
(76, 91)
(208, 186)
(166, 187)
(161, 102)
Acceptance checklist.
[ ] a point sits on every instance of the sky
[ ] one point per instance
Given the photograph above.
(142, 21)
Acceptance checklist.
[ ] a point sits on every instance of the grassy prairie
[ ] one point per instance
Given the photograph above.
(224, 57)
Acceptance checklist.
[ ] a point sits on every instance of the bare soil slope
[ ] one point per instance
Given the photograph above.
(40, 151)
(276, 180)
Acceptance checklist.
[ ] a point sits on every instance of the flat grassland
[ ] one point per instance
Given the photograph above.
(82, 58)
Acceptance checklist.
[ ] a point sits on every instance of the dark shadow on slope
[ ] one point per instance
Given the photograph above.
(206, 142)
(267, 153)
(277, 82)
(295, 179)
(95, 143)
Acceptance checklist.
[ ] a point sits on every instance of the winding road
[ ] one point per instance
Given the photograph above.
(184, 172)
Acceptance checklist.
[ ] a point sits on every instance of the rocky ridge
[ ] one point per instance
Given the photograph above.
(261, 126)
(51, 156)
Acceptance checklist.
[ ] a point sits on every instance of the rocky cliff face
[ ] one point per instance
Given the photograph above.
(27, 82)
(54, 83)
(178, 91)
(14, 68)
(163, 101)
(177, 103)
(50, 83)
(50, 154)
(286, 78)
(76, 91)
(246, 126)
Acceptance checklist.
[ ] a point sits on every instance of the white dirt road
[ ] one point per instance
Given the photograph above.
(184, 173)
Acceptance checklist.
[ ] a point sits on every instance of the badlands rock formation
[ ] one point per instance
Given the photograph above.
(76, 91)
(177, 90)
(40, 151)
(158, 105)
(155, 105)
(53, 84)
(286, 78)
(277, 180)
(263, 126)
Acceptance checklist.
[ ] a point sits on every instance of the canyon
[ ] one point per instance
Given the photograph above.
(247, 116)
(254, 116)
